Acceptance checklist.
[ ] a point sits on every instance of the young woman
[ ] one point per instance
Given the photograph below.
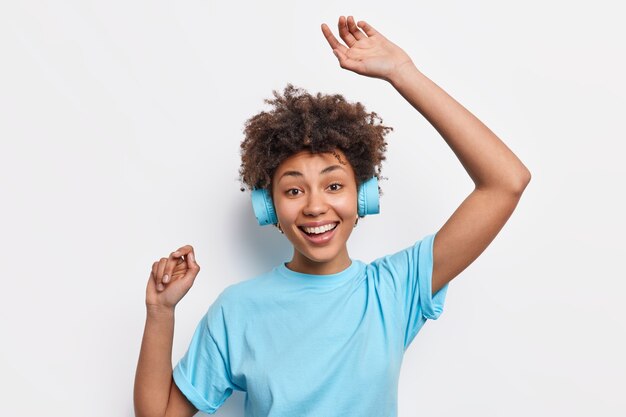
(323, 334)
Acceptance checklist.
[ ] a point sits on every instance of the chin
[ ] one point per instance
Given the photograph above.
(320, 259)
(320, 251)
(320, 255)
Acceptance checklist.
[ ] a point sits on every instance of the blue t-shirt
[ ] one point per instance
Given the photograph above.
(313, 345)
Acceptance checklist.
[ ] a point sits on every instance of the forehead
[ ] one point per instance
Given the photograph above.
(308, 162)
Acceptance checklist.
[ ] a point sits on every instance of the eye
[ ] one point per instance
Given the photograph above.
(335, 186)
(293, 192)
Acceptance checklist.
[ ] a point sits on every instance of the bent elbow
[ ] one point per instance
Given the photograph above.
(522, 182)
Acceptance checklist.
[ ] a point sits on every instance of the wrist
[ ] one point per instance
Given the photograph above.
(159, 311)
(403, 72)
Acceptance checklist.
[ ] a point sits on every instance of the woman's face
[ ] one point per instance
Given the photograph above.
(315, 196)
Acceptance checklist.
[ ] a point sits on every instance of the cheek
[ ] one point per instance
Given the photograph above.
(286, 210)
(346, 206)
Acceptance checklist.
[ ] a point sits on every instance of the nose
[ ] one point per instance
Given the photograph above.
(316, 204)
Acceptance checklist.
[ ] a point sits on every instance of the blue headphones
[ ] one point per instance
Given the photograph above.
(368, 201)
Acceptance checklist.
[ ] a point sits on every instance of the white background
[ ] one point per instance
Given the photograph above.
(120, 124)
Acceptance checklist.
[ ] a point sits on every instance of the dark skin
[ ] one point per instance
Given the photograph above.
(498, 175)
(177, 272)
(499, 178)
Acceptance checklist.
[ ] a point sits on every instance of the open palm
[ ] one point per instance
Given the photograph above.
(365, 52)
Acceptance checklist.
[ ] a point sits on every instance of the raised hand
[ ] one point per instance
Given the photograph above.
(171, 278)
(365, 52)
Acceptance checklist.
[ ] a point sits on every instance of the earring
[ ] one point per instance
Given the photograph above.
(279, 229)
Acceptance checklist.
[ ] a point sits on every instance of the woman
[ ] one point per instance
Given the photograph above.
(324, 335)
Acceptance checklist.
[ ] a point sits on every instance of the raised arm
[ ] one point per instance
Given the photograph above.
(498, 175)
(155, 393)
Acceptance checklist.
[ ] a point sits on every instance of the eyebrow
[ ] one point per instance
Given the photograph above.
(299, 174)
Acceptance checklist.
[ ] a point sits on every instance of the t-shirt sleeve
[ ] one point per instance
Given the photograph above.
(408, 275)
(203, 373)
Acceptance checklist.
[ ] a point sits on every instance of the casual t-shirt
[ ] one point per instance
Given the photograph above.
(313, 345)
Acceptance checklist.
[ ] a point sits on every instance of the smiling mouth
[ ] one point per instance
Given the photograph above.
(318, 231)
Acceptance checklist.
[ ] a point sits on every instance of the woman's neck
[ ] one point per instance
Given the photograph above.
(304, 265)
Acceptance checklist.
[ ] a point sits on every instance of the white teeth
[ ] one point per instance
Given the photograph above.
(321, 229)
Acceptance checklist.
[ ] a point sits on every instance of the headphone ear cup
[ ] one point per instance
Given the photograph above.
(369, 199)
(263, 207)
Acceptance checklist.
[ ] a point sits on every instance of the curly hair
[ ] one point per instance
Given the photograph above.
(321, 123)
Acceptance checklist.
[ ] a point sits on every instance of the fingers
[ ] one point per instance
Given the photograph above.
(183, 250)
(350, 33)
(345, 33)
(179, 269)
(172, 262)
(180, 263)
(332, 41)
(184, 260)
(369, 30)
(192, 267)
(160, 271)
(161, 294)
(155, 276)
(354, 30)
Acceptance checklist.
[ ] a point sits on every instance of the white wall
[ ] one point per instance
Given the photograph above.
(120, 125)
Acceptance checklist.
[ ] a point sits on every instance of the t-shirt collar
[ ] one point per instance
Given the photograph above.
(323, 279)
